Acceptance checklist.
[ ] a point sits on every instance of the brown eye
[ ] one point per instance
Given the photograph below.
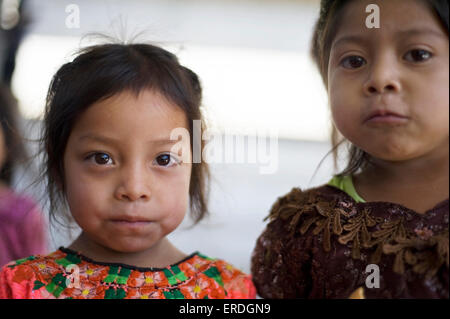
(353, 62)
(101, 158)
(166, 160)
(417, 55)
(163, 160)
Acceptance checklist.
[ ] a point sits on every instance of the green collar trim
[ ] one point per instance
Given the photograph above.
(345, 184)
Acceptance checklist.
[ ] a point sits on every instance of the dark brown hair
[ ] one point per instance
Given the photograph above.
(324, 32)
(15, 148)
(101, 71)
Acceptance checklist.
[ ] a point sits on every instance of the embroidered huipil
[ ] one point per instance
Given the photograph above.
(67, 274)
(320, 241)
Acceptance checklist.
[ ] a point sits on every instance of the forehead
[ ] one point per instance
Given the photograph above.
(396, 16)
(131, 115)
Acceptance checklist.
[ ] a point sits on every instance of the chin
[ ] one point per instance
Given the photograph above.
(392, 152)
(394, 156)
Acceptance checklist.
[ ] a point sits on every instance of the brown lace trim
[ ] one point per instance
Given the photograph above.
(424, 251)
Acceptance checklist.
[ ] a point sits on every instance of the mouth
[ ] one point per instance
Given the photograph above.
(131, 224)
(386, 117)
(131, 220)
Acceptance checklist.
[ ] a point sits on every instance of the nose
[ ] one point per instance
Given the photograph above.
(134, 184)
(383, 77)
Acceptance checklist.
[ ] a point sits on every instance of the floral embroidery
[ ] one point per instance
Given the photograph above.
(22, 274)
(425, 255)
(197, 276)
(425, 251)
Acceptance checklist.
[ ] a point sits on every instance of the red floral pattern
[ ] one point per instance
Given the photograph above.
(46, 277)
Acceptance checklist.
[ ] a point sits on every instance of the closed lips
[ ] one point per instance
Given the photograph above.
(131, 220)
(385, 114)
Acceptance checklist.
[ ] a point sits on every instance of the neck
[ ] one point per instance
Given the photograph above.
(418, 183)
(427, 169)
(160, 255)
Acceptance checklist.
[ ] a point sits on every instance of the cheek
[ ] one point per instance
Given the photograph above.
(343, 98)
(429, 97)
(438, 115)
(175, 211)
(344, 115)
(78, 199)
(175, 197)
(440, 92)
(180, 187)
(76, 186)
(83, 193)
(430, 105)
(432, 124)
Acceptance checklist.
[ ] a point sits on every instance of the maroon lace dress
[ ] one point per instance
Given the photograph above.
(319, 243)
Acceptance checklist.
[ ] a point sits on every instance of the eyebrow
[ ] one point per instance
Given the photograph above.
(113, 141)
(349, 39)
(421, 32)
(354, 38)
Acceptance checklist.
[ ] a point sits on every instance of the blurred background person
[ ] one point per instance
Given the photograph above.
(22, 227)
(12, 30)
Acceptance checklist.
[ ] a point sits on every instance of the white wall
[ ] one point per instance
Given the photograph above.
(252, 56)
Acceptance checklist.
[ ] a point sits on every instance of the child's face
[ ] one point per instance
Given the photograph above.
(388, 87)
(124, 186)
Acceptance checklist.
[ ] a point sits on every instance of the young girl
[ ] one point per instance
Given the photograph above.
(22, 228)
(111, 155)
(379, 229)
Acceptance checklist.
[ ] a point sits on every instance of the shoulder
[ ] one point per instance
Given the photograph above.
(295, 213)
(297, 198)
(305, 205)
(22, 278)
(236, 284)
(297, 227)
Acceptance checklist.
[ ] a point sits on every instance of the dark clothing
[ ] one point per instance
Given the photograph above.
(319, 242)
